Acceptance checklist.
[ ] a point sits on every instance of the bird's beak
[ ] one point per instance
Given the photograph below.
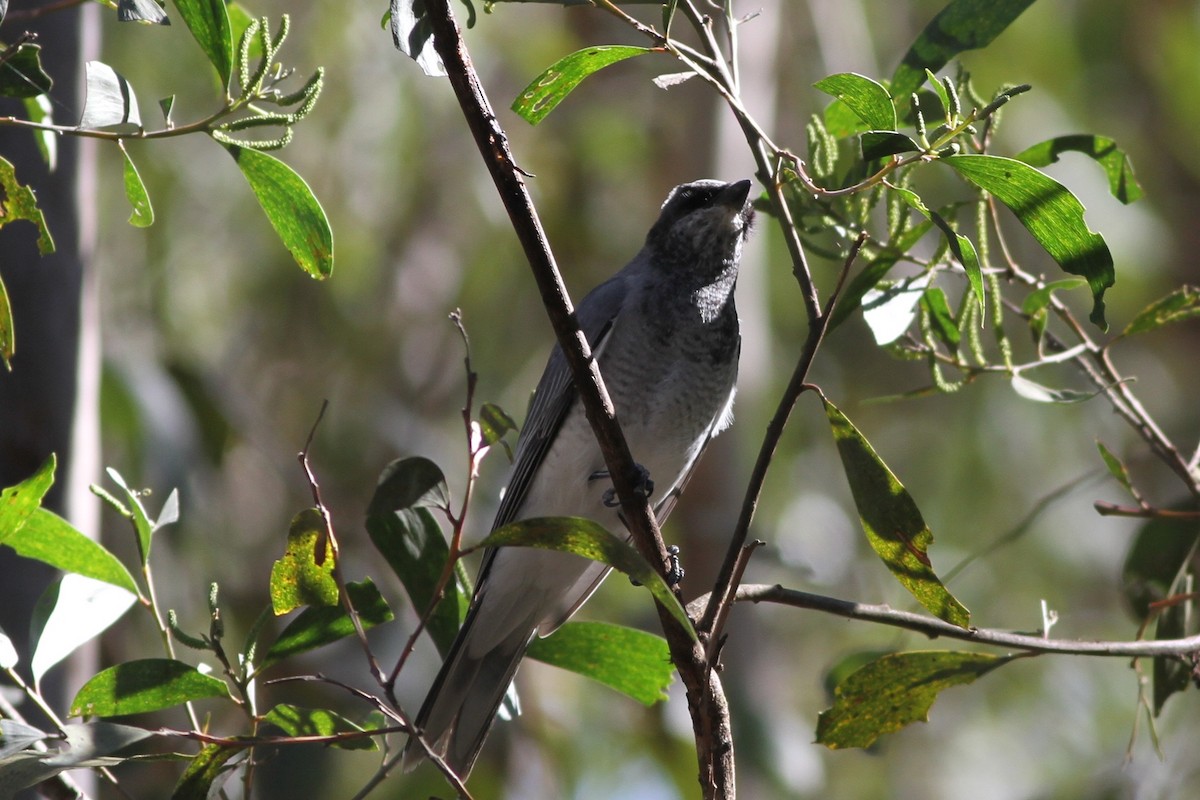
(734, 195)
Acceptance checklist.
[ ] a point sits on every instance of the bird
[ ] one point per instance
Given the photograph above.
(664, 330)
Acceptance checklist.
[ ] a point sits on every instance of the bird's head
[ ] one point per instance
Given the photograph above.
(702, 227)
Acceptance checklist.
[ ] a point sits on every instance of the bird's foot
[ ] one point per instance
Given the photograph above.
(643, 486)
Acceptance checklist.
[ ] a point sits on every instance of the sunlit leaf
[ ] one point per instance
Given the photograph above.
(135, 510)
(550, 88)
(868, 99)
(1031, 390)
(896, 690)
(146, 12)
(890, 310)
(300, 721)
(203, 771)
(1116, 164)
(1181, 304)
(875, 271)
(588, 539)
(633, 662)
(960, 26)
(49, 538)
(21, 203)
(892, 521)
(413, 35)
(292, 208)
(136, 687)
(83, 608)
(110, 102)
(142, 215)
(18, 503)
(208, 20)
(960, 245)
(297, 579)
(1050, 213)
(8, 652)
(8, 339)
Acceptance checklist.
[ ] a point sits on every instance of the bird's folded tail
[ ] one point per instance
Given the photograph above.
(462, 703)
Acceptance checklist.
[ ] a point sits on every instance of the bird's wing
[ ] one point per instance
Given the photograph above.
(553, 398)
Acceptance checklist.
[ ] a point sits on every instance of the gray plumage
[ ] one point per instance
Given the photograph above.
(665, 332)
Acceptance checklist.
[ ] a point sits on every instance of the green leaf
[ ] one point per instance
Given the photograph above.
(960, 245)
(962, 25)
(196, 781)
(293, 210)
(1172, 675)
(895, 690)
(142, 215)
(21, 203)
(881, 144)
(17, 503)
(944, 324)
(315, 627)
(297, 579)
(1116, 164)
(405, 532)
(136, 687)
(1031, 390)
(550, 88)
(1037, 301)
(1181, 304)
(875, 271)
(134, 511)
(40, 109)
(208, 20)
(868, 99)
(300, 721)
(494, 423)
(49, 538)
(1162, 550)
(892, 521)
(22, 74)
(1116, 467)
(8, 340)
(1050, 213)
(633, 662)
(589, 539)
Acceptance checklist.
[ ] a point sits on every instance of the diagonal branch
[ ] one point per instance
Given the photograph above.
(710, 716)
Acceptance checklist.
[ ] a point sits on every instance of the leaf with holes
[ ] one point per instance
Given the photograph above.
(560, 79)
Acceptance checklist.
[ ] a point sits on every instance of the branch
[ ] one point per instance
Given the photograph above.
(710, 718)
(933, 627)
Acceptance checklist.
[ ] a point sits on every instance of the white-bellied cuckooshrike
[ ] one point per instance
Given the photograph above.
(665, 332)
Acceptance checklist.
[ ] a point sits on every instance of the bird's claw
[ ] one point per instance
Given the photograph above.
(643, 486)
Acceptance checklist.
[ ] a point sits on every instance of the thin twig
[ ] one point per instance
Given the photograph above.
(330, 538)
(717, 612)
(934, 628)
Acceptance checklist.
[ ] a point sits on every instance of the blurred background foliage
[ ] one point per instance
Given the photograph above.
(219, 352)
